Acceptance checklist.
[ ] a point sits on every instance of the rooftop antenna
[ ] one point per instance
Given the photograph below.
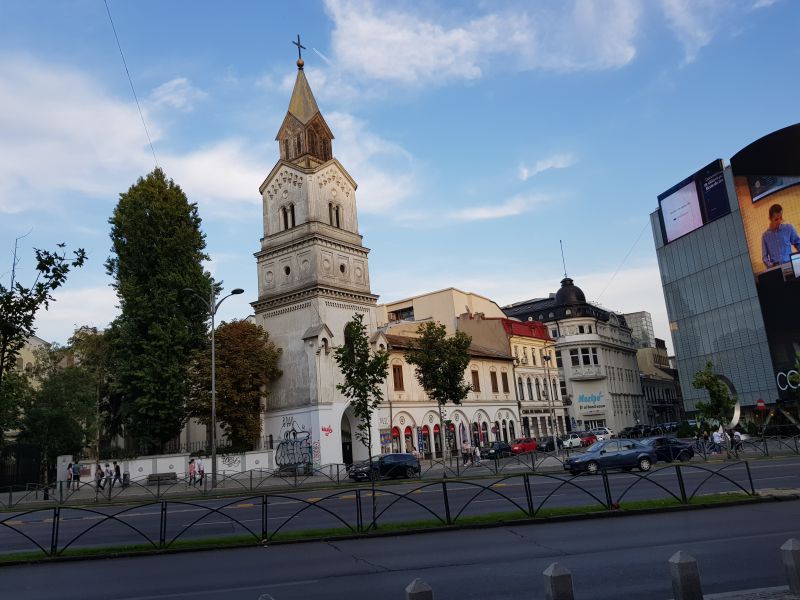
(563, 262)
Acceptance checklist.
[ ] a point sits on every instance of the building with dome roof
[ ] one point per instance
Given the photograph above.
(595, 356)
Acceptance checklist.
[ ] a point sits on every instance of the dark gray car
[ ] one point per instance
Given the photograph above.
(612, 454)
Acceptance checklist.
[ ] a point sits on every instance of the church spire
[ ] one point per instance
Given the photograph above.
(304, 137)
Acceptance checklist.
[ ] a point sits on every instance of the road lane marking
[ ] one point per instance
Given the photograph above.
(218, 591)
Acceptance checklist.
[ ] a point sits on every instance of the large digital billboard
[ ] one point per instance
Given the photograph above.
(766, 175)
(695, 201)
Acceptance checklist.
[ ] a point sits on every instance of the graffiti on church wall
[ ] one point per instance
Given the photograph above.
(295, 445)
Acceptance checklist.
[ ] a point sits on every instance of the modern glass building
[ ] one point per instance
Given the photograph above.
(713, 305)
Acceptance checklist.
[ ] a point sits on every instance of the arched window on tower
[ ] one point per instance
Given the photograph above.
(326, 149)
(330, 213)
(286, 149)
(312, 143)
(298, 148)
(285, 217)
(291, 215)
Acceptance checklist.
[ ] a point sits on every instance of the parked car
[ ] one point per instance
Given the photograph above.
(669, 448)
(613, 454)
(571, 440)
(603, 433)
(587, 438)
(550, 444)
(496, 450)
(523, 445)
(386, 465)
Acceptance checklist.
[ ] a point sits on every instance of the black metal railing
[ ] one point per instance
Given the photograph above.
(356, 510)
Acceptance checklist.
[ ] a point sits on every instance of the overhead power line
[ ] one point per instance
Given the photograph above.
(127, 72)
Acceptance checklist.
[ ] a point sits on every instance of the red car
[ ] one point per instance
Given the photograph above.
(523, 445)
(587, 438)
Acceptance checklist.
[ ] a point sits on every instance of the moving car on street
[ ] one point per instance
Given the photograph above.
(670, 448)
(571, 440)
(386, 465)
(587, 438)
(602, 434)
(613, 454)
(523, 445)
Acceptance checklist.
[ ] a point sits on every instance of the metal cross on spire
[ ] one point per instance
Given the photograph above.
(300, 47)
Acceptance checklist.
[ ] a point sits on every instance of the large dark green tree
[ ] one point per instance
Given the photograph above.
(157, 252)
(718, 409)
(19, 303)
(364, 372)
(246, 363)
(439, 364)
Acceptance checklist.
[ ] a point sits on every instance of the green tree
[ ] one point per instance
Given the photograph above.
(157, 251)
(19, 303)
(719, 406)
(59, 415)
(439, 364)
(92, 351)
(246, 363)
(14, 394)
(364, 372)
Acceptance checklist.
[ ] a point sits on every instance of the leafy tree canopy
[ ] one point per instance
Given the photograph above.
(20, 303)
(246, 363)
(364, 372)
(719, 406)
(440, 361)
(157, 252)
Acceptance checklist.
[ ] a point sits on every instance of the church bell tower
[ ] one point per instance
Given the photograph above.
(313, 276)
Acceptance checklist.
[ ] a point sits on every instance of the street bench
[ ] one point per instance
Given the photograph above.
(157, 478)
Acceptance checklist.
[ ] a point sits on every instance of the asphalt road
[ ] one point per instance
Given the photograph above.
(613, 558)
(304, 510)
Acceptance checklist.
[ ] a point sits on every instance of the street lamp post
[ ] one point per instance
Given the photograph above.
(213, 305)
(549, 389)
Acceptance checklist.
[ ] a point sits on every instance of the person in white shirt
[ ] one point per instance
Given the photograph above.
(717, 439)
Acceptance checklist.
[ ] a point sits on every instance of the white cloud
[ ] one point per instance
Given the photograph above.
(177, 93)
(382, 169)
(692, 21)
(73, 308)
(62, 133)
(557, 161)
(763, 4)
(411, 47)
(511, 207)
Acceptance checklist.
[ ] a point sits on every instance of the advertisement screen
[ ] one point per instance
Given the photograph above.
(766, 175)
(695, 201)
(681, 212)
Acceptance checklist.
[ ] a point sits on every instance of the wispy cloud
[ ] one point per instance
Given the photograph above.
(177, 93)
(763, 3)
(382, 169)
(58, 121)
(511, 207)
(694, 23)
(413, 47)
(557, 161)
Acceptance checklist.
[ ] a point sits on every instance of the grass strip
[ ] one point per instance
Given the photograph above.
(497, 518)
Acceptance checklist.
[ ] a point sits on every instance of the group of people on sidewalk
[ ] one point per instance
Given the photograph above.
(197, 472)
(717, 438)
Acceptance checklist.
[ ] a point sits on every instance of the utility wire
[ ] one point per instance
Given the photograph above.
(127, 72)
(623, 261)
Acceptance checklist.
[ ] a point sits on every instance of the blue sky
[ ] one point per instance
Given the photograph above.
(480, 133)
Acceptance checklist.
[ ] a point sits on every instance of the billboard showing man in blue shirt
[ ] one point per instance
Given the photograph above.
(778, 239)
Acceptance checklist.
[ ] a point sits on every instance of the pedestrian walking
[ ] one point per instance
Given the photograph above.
(192, 473)
(737, 440)
(717, 439)
(98, 477)
(201, 470)
(477, 455)
(76, 475)
(109, 479)
(69, 476)
(117, 474)
(466, 452)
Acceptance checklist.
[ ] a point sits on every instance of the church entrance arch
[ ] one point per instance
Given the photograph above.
(347, 441)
